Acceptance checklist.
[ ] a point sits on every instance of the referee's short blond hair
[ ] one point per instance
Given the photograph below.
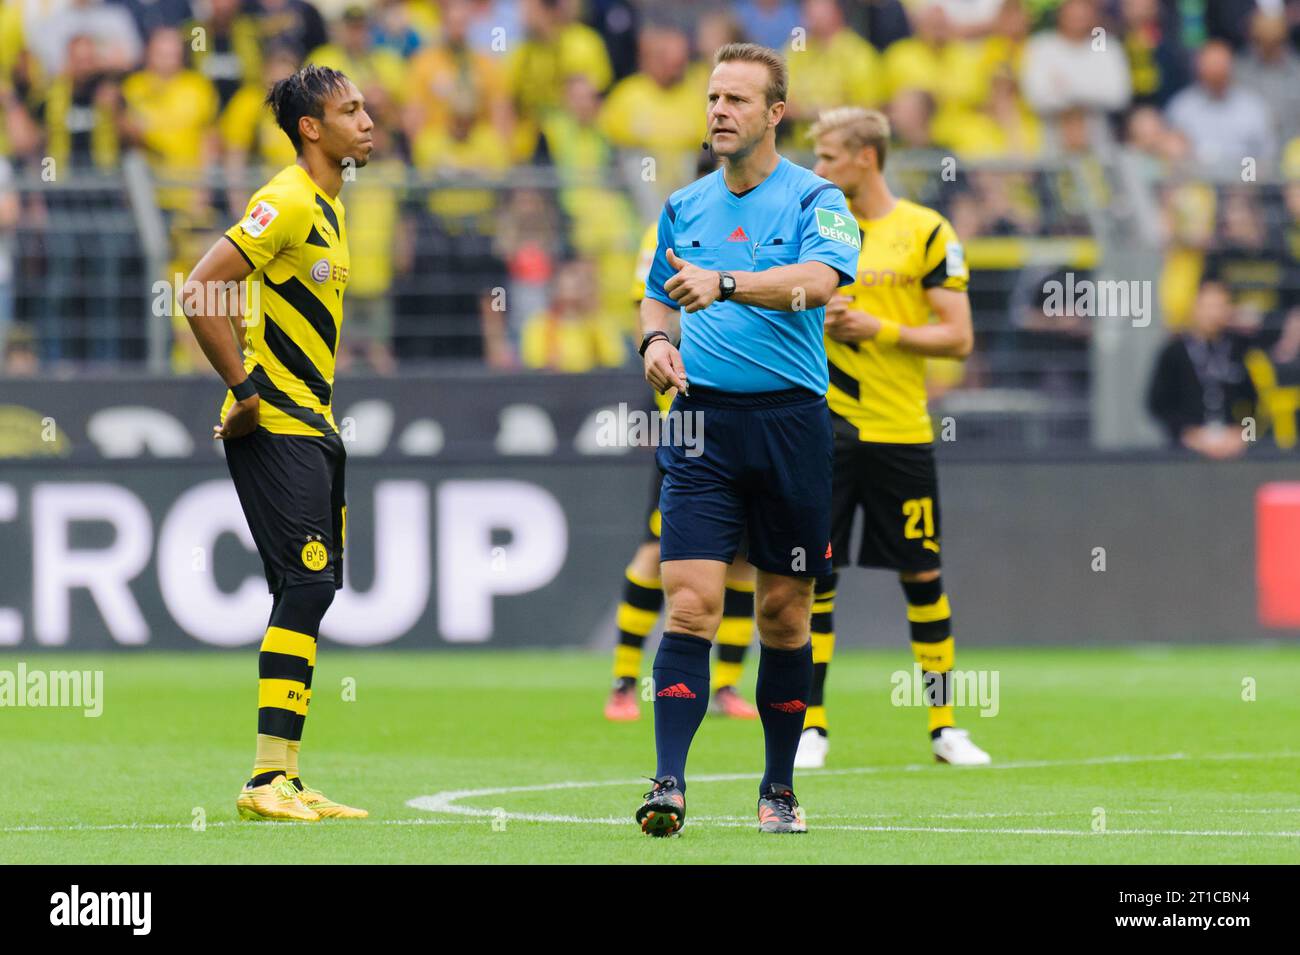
(860, 127)
(778, 75)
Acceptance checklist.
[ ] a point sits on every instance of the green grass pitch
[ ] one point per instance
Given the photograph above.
(1160, 740)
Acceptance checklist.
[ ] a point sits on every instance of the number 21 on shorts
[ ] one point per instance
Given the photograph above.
(919, 512)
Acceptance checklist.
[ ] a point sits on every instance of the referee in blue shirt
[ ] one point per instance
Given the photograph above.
(748, 257)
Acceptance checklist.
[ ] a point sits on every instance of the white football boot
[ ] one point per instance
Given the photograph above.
(953, 746)
(812, 750)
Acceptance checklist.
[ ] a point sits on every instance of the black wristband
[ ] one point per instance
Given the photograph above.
(245, 389)
(651, 336)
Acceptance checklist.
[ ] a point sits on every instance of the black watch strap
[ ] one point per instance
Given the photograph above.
(651, 336)
(245, 389)
(726, 286)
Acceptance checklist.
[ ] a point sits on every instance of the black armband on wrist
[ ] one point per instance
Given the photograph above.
(245, 389)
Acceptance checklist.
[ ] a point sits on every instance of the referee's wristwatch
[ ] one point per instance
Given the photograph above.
(726, 286)
(648, 337)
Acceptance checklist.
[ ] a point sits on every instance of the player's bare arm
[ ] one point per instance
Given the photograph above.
(210, 317)
(950, 336)
(694, 288)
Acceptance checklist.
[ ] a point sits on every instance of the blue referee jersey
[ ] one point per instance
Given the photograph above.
(792, 216)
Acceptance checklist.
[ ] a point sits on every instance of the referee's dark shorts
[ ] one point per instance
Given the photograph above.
(292, 491)
(763, 468)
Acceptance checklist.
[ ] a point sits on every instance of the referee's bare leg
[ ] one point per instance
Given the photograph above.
(694, 590)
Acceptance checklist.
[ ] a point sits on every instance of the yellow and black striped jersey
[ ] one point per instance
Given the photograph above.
(644, 259)
(880, 389)
(293, 236)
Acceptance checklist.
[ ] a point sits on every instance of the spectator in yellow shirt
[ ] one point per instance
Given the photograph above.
(1002, 127)
(555, 47)
(171, 113)
(830, 66)
(935, 60)
(226, 47)
(583, 157)
(655, 114)
(569, 335)
(80, 111)
(378, 72)
(467, 148)
(453, 71)
(250, 136)
(603, 222)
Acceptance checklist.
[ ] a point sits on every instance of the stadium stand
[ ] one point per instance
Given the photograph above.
(522, 145)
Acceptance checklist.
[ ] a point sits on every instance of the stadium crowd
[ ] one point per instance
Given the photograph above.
(556, 128)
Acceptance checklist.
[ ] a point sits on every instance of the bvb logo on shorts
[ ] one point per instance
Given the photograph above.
(314, 555)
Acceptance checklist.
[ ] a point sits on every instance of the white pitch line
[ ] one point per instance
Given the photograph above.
(128, 826)
(448, 801)
(1027, 814)
(1035, 813)
(1088, 833)
(445, 801)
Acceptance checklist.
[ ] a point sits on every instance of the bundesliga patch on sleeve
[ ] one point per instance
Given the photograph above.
(837, 227)
(262, 215)
(956, 260)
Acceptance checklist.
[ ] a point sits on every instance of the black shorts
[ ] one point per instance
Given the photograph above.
(291, 489)
(897, 488)
(762, 473)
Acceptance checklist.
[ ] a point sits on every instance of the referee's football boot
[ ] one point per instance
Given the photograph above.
(664, 810)
(778, 810)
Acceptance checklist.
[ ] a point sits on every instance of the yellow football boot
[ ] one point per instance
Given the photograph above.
(276, 801)
(327, 808)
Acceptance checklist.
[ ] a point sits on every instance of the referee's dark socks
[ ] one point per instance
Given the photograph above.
(930, 620)
(781, 695)
(823, 646)
(735, 633)
(284, 670)
(643, 599)
(681, 684)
